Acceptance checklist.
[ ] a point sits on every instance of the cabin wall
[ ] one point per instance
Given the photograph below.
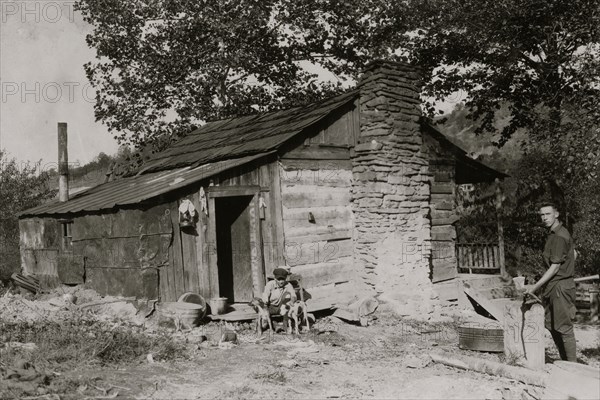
(391, 191)
(442, 166)
(124, 251)
(40, 247)
(316, 192)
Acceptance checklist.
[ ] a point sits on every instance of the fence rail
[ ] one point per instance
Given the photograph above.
(478, 256)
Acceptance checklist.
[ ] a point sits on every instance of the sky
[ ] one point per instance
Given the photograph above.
(42, 82)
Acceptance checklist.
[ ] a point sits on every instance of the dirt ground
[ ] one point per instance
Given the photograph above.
(386, 360)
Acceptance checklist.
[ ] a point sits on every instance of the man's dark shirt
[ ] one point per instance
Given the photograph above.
(559, 249)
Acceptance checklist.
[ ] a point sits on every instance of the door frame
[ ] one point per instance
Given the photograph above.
(256, 256)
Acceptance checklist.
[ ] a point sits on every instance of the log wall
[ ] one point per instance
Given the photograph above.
(442, 166)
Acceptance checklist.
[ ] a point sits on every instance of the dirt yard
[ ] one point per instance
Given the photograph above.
(387, 359)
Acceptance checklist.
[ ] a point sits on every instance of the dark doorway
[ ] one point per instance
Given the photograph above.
(234, 258)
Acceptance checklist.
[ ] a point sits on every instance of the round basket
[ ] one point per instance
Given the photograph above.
(194, 298)
(188, 315)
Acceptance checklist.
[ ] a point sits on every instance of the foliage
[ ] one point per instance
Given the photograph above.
(527, 186)
(165, 66)
(22, 186)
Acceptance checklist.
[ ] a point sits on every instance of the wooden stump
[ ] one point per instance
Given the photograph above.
(524, 334)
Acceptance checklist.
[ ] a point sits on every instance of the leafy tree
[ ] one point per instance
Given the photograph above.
(22, 186)
(164, 66)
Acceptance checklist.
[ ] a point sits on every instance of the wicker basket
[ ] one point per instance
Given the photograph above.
(481, 338)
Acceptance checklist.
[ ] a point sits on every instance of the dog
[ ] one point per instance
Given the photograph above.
(297, 312)
(263, 315)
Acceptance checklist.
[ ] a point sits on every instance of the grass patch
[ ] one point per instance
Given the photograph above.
(86, 342)
(78, 344)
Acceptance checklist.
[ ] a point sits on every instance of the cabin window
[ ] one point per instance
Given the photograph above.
(67, 238)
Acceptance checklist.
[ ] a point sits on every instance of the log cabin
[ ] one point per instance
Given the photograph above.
(354, 193)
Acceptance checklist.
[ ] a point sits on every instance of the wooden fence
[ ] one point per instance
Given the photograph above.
(478, 257)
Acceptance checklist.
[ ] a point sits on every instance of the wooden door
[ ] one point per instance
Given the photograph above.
(234, 249)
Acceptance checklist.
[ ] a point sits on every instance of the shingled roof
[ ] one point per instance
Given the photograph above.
(244, 136)
(213, 148)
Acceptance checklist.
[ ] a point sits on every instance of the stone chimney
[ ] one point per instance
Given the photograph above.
(391, 189)
(63, 163)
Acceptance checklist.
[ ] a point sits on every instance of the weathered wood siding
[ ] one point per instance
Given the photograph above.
(40, 246)
(443, 212)
(316, 183)
(126, 253)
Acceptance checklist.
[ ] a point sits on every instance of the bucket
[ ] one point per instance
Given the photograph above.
(218, 305)
(188, 315)
(190, 297)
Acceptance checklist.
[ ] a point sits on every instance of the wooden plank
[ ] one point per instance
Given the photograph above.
(318, 198)
(326, 175)
(211, 249)
(443, 205)
(266, 231)
(443, 233)
(317, 252)
(295, 214)
(485, 303)
(336, 234)
(444, 270)
(319, 274)
(176, 249)
(315, 152)
(256, 253)
(315, 165)
(442, 188)
(444, 221)
(190, 264)
(224, 191)
(201, 257)
(277, 213)
(304, 228)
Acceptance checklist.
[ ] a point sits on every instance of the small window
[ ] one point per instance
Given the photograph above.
(67, 239)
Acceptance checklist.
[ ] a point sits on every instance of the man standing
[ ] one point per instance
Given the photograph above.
(557, 283)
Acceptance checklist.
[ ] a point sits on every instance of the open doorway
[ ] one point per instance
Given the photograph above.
(234, 253)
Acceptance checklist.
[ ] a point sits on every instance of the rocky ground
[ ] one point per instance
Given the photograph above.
(389, 358)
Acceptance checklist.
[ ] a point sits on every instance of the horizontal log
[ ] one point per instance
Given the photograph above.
(320, 274)
(440, 188)
(443, 233)
(492, 368)
(319, 213)
(287, 164)
(292, 230)
(314, 152)
(318, 177)
(339, 234)
(444, 221)
(304, 198)
(317, 252)
(443, 205)
(444, 270)
(335, 295)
